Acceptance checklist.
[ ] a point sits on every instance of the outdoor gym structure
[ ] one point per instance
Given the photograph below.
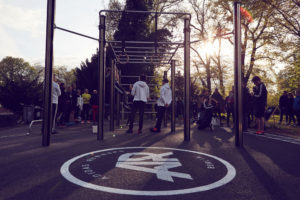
(140, 52)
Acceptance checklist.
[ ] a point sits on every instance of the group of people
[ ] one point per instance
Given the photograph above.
(83, 107)
(69, 104)
(253, 103)
(290, 107)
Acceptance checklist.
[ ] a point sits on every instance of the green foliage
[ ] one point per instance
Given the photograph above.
(87, 74)
(128, 27)
(179, 87)
(19, 84)
(65, 76)
(137, 27)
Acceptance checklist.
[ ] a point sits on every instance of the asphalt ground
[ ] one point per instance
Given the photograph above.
(148, 165)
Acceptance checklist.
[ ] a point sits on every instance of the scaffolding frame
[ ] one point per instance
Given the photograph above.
(154, 54)
(141, 52)
(47, 122)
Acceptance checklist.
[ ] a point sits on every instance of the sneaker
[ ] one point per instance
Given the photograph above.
(82, 122)
(259, 132)
(129, 131)
(54, 132)
(154, 130)
(88, 122)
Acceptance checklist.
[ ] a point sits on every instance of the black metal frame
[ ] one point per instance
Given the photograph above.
(46, 131)
(148, 52)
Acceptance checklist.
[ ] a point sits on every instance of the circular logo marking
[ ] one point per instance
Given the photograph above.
(148, 171)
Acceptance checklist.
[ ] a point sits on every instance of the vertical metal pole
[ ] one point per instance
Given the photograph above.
(47, 121)
(118, 101)
(100, 133)
(112, 95)
(166, 112)
(187, 81)
(238, 119)
(118, 110)
(173, 96)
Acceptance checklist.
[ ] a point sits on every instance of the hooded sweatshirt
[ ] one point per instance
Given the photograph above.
(165, 95)
(140, 91)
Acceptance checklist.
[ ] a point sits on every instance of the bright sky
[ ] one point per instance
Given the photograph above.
(23, 30)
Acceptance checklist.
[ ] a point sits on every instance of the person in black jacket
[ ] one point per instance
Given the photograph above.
(283, 104)
(260, 102)
(290, 110)
(246, 100)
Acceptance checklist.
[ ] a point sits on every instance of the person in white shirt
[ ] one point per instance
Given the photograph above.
(163, 102)
(55, 94)
(140, 91)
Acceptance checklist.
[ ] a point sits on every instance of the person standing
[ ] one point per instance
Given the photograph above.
(74, 101)
(283, 101)
(290, 110)
(61, 106)
(95, 105)
(55, 94)
(296, 106)
(140, 92)
(79, 105)
(179, 108)
(229, 105)
(260, 102)
(86, 106)
(220, 102)
(246, 100)
(162, 103)
(68, 105)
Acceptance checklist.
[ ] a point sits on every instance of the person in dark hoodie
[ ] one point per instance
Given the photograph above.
(283, 104)
(260, 102)
(140, 92)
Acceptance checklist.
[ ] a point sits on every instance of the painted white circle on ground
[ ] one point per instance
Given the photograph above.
(231, 172)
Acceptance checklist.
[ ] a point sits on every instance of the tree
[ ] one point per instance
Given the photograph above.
(124, 26)
(87, 74)
(19, 84)
(139, 27)
(208, 29)
(63, 75)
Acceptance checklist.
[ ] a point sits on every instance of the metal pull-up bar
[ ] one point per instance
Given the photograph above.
(76, 33)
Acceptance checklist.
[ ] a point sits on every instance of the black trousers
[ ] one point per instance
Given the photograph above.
(297, 113)
(283, 111)
(137, 105)
(160, 115)
(54, 112)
